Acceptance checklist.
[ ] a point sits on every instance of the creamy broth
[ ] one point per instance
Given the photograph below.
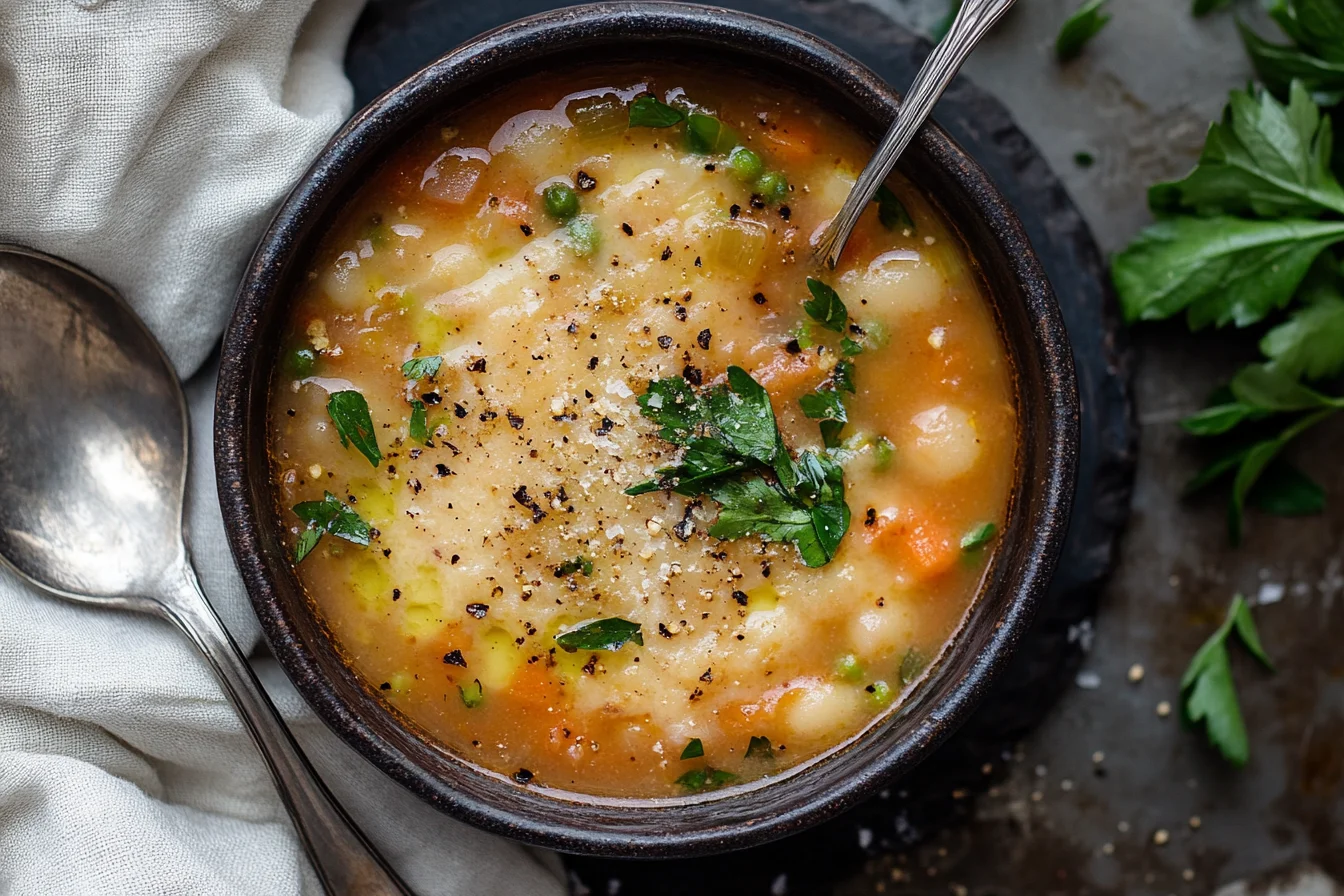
(502, 336)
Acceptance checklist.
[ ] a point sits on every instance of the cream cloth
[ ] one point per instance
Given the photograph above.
(149, 141)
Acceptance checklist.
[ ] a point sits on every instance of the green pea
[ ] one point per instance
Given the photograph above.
(583, 236)
(849, 668)
(772, 186)
(562, 203)
(302, 361)
(879, 692)
(745, 164)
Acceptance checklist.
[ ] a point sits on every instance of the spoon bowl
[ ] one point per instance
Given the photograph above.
(93, 453)
(93, 466)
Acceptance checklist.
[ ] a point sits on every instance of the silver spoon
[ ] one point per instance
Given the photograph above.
(93, 463)
(972, 22)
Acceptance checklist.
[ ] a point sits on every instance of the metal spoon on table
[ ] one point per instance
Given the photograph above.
(972, 22)
(93, 463)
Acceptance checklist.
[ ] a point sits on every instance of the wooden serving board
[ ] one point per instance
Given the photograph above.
(394, 38)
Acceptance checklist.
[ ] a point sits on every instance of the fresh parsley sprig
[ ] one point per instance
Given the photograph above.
(1210, 695)
(732, 444)
(1246, 235)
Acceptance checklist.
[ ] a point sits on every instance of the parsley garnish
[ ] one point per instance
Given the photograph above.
(912, 664)
(601, 634)
(350, 412)
(732, 443)
(419, 426)
(707, 778)
(473, 695)
(1079, 28)
(759, 748)
(978, 537)
(891, 211)
(570, 567)
(328, 515)
(1314, 56)
(1210, 695)
(694, 749)
(649, 112)
(422, 368)
(706, 135)
(825, 306)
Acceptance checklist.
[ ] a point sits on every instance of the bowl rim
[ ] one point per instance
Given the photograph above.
(321, 188)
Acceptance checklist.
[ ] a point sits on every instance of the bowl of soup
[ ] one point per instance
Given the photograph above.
(579, 498)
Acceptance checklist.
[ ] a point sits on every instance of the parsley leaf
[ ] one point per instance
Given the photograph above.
(422, 368)
(694, 749)
(473, 695)
(1253, 465)
(1079, 28)
(1278, 65)
(601, 634)
(828, 406)
(744, 417)
(1284, 490)
(1218, 270)
(912, 664)
(1310, 343)
(891, 211)
(329, 515)
(350, 412)
(759, 748)
(649, 112)
(1209, 693)
(705, 779)
(674, 405)
(825, 306)
(706, 135)
(419, 425)
(978, 537)
(1264, 158)
(570, 567)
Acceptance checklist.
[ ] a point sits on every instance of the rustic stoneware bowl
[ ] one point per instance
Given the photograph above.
(736, 817)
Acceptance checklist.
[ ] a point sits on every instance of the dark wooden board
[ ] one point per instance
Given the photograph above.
(396, 37)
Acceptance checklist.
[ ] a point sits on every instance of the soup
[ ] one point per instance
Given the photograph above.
(596, 478)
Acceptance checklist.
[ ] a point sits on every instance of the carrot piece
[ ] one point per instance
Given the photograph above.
(791, 140)
(925, 547)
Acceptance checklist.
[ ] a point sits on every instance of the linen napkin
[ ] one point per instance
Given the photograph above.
(149, 141)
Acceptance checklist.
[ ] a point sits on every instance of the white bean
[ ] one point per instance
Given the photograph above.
(941, 443)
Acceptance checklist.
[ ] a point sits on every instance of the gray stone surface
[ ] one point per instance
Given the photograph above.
(1159, 813)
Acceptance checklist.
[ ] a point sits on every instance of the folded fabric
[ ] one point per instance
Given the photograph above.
(149, 142)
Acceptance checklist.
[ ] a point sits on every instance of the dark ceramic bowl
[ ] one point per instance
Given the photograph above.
(753, 813)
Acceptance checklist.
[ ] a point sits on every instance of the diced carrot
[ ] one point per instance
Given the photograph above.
(925, 547)
(791, 140)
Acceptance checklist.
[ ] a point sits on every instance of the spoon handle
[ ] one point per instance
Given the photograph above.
(972, 22)
(343, 858)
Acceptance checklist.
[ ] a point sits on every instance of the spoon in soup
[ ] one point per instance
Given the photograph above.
(972, 22)
(91, 499)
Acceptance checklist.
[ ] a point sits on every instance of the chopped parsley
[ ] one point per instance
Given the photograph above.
(1079, 28)
(733, 444)
(329, 515)
(694, 749)
(419, 426)
(698, 779)
(422, 368)
(570, 567)
(350, 412)
(891, 211)
(825, 306)
(759, 748)
(978, 537)
(473, 695)
(648, 111)
(601, 634)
